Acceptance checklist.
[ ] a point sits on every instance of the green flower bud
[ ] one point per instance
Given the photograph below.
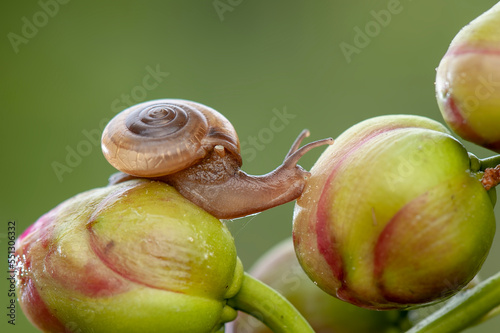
(280, 269)
(468, 81)
(392, 215)
(133, 257)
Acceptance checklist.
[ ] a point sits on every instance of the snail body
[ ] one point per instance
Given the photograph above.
(196, 149)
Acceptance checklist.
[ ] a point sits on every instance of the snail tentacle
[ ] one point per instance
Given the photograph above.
(196, 149)
(239, 194)
(296, 144)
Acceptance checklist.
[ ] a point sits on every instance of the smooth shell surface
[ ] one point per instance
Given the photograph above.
(161, 137)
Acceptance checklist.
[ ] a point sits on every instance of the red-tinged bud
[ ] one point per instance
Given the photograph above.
(468, 81)
(280, 269)
(417, 315)
(393, 216)
(133, 257)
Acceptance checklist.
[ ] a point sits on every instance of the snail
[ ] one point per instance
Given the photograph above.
(195, 149)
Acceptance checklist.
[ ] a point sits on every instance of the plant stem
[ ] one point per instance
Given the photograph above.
(493, 313)
(268, 306)
(489, 162)
(464, 311)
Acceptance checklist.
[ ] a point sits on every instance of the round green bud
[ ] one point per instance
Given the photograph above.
(280, 269)
(468, 81)
(393, 216)
(132, 257)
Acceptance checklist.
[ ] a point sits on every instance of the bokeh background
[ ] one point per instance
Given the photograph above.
(65, 73)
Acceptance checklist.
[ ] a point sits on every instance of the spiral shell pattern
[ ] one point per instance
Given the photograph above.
(161, 137)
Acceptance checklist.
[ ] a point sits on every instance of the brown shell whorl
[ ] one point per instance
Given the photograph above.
(160, 120)
(221, 131)
(161, 137)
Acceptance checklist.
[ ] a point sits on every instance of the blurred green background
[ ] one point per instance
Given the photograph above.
(65, 74)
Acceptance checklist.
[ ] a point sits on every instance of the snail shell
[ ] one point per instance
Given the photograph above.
(161, 137)
(196, 150)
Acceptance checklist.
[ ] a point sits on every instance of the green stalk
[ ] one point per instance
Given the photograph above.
(489, 162)
(464, 311)
(268, 306)
(493, 313)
